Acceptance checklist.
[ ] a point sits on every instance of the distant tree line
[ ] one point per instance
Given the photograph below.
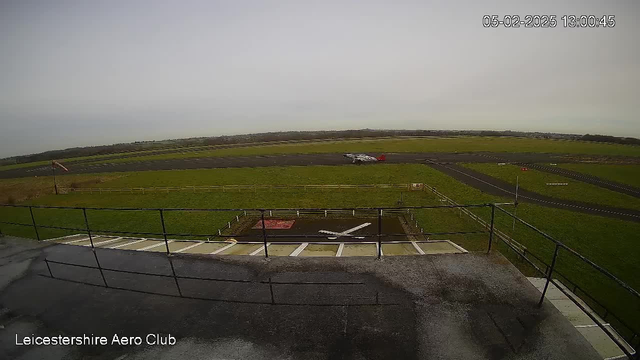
(611, 139)
(292, 136)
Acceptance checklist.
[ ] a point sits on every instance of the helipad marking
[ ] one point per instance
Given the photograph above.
(340, 248)
(189, 247)
(345, 233)
(129, 243)
(106, 241)
(259, 250)
(297, 251)
(420, 251)
(222, 249)
(155, 245)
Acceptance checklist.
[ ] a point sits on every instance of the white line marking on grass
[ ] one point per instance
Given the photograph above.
(75, 241)
(106, 241)
(297, 251)
(261, 248)
(340, 248)
(155, 245)
(222, 249)
(189, 247)
(125, 244)
(420, 251)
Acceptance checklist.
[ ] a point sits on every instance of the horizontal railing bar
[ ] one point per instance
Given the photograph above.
(217, 300)
(573, 252)
(249, 209)
(206, 278)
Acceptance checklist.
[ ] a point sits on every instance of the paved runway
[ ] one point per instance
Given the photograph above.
(498, 187)
(445, 161)
(305, 160)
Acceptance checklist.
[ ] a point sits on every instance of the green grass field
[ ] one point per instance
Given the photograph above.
(625, 174)
(536, 181)
(609, 242)
(458, 144)
(449, 144)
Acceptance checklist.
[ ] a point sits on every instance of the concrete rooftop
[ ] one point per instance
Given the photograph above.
(449, 306)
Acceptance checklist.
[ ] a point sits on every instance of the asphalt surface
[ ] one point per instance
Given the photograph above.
(308, 159)
(498, 187)
(470, 306)
(443, 161)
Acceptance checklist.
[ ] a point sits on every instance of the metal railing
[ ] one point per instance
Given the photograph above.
(549, 270)
(379, 212)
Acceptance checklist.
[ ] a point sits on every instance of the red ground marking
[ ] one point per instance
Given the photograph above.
(275, 224)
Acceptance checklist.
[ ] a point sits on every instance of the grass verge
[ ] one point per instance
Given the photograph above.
(537, 181)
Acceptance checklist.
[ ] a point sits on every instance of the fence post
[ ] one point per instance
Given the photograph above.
(33, 220)
(493, 214)
(86, 223)
(164, 231)
(379, 233)
(264, 234)
(48, 268)
(553, 264)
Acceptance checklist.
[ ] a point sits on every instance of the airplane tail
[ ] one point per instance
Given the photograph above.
(381, 158)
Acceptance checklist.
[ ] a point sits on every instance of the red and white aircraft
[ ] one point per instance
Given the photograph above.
(361, 158)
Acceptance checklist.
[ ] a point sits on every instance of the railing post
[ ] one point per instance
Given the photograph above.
(48, 267)
(175, 278)
(264, 234)
(493, 215)
(164, 232)
(86, 223)
(33, 220)
(553, 264)
(379, 233)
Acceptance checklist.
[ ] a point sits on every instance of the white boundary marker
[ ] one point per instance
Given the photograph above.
(340, 248)
(125, 244)
(189, 247)
(420, 251)
(457, 246)
(75, 241)
(63, 237)
(154, 245)
(222, 249)
(381, 252)
(106, 241)
(261, 248)
(297, 251)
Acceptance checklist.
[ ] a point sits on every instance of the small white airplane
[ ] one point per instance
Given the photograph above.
(345, 233)
(360, 158)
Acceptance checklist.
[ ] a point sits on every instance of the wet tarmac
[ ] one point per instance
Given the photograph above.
(475, 306)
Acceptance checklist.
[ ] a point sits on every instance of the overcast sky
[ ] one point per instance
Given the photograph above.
(75, 73)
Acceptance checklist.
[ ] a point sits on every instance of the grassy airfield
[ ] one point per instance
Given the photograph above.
(609, 242)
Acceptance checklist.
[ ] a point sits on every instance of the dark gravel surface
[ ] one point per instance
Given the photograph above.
(464, 306)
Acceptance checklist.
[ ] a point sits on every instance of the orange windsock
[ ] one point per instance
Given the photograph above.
(55, 163)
